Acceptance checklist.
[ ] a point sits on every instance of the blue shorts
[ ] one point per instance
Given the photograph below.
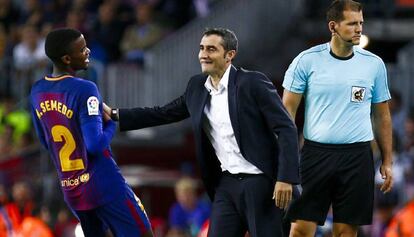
(124, 216)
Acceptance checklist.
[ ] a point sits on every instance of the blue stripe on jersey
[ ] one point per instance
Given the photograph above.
(69, 124)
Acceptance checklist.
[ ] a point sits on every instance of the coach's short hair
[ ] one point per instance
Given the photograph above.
(58, 43)
(229, 41)
(337, 7)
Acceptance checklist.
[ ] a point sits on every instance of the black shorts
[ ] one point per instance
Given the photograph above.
(337, 175)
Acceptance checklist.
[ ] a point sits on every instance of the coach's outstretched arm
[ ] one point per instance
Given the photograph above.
(138, 118)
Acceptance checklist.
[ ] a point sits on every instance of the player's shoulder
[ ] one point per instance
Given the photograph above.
(83, 84)
(38, 83)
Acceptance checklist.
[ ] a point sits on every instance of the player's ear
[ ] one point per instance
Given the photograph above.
(65, 59)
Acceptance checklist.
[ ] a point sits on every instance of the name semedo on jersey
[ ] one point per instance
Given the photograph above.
(53, 105)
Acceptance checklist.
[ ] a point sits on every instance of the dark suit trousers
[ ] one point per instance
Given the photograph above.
(244, 203)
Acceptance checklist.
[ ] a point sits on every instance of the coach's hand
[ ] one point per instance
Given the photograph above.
(107, 109)
(386, 174)
(282, 194)
(107, 112)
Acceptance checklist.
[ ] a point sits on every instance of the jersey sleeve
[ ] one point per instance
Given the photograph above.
(96, 133)
(38, 128)
(381, 91)
(295, 77)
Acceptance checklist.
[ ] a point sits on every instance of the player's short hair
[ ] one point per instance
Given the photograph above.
(58, 43)
(229, 41)
(337, 7)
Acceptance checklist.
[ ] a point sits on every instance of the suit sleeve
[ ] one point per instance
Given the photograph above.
(283, 127)
(136, 118)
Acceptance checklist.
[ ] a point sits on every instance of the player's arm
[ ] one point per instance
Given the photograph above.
(291, 102)
(96, 133)
(38, 129)
(383, 136)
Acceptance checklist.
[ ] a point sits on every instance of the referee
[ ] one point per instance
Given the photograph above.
(343, 87)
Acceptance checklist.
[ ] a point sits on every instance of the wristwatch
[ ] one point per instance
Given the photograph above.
(115, 114)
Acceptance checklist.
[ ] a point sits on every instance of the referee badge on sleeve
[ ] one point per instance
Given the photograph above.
(358, 94)
(93, 105)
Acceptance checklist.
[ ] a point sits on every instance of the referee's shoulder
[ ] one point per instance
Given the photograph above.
(367, 54)
(316, 49)
(308, 55)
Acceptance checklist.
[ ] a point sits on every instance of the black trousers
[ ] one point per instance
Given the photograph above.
(243, 202)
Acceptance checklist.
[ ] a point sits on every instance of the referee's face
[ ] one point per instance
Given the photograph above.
(212, 56)
(350, 28)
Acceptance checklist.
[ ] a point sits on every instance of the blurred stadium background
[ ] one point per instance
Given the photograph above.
(143, 53)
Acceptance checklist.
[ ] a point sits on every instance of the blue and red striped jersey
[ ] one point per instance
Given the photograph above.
(67, 115)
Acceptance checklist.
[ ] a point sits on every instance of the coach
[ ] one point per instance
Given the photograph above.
(247, 145)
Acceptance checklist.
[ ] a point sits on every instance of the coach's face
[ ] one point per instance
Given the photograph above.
(214, 59)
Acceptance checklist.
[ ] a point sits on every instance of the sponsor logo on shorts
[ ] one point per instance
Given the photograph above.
(84, 178)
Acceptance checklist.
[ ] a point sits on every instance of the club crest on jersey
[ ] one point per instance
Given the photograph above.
(84, 178)
(358, 94)
(93, 105)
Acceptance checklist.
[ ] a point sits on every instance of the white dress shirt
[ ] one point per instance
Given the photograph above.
(219, 130)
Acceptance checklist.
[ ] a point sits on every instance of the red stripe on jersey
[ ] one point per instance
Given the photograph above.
(106, 153)
(142, 228)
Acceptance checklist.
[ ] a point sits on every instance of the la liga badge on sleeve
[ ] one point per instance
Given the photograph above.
(93, 105)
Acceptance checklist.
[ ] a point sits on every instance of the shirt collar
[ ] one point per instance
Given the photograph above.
(223, 84)
(339, 57)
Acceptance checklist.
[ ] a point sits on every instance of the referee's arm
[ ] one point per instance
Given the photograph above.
(291, 102)
(383, 136)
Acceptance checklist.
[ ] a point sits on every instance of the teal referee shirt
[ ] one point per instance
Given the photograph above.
(338, 93)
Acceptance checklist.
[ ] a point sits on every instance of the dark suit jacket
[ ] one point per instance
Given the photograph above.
(265, 134)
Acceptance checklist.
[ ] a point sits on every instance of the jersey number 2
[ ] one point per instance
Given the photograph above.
(58, 133)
